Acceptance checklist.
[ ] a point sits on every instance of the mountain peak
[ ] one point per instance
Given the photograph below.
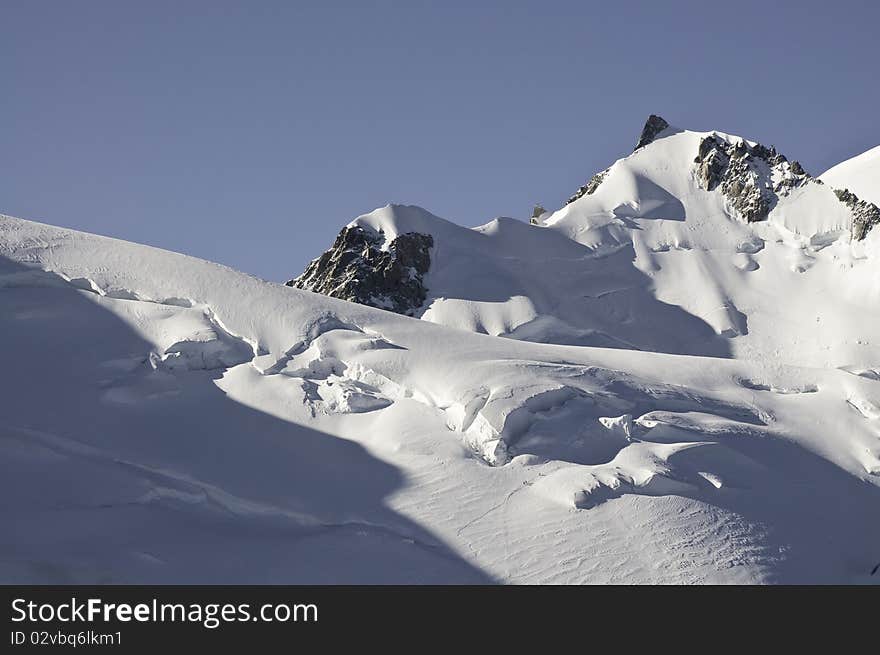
(751, 176)
(653, 126)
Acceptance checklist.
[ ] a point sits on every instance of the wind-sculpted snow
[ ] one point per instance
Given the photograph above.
(646, 389)
(184, 334)
(697, 243)
(332, 380)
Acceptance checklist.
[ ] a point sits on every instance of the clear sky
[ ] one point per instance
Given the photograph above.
(249, 132)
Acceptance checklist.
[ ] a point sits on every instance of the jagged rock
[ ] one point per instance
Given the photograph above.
(358, 269)
(745, 174)
(589, 187)
(537, 212)
(653, 126)
(865, 214)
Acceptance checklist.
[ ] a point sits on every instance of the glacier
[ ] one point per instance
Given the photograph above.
(641, 387)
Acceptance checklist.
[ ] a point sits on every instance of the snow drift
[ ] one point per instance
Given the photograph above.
(642, 388)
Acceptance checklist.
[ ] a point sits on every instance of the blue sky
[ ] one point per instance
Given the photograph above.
(249, 132)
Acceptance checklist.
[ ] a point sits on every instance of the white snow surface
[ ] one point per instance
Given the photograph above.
(860, 174)
(651, 246)
(640, 390)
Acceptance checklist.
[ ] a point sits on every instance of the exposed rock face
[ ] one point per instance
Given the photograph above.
(356, 268)
(590, 187)
(865, 214)
(653, 126)
(752, 177)
(537, 213)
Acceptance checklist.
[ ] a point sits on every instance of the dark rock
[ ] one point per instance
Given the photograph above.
(589, 187)
(356, 268)
(537, 212)
(865, 214)
(653, 126)
(745, 175)
(713, 159)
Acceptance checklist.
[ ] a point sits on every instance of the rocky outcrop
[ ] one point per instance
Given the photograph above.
(865, 214)
(359, 269)
(751, 176)
(589, 187)
(653, 126)
(537, 213)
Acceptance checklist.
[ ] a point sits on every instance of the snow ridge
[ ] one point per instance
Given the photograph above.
(649, 385)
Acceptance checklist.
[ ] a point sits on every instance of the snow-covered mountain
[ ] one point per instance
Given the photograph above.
(673, 378)
(696, 243)
(860, 175)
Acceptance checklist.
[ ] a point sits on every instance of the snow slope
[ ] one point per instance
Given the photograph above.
(861, 175)
(171, 420)
(683, 277)
(654, 260)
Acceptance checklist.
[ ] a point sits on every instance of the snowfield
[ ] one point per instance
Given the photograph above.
(861, 175)
(640, 389)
